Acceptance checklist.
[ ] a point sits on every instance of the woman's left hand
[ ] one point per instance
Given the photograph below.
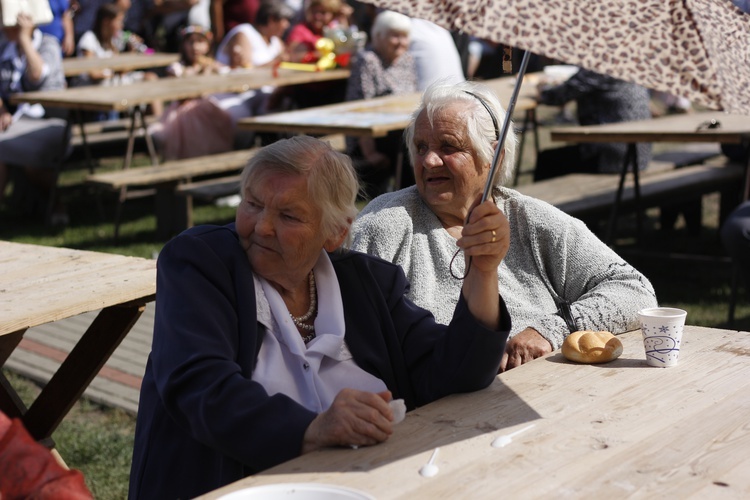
(355, 418)
(485, 237)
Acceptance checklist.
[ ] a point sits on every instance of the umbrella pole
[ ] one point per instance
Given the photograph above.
(506, 126)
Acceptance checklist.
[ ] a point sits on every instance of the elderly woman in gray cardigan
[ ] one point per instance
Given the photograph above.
(557, 277)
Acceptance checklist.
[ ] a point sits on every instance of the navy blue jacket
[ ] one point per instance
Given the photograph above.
(203, 422)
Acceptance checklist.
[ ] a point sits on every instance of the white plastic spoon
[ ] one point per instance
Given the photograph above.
(505, 440)
(430, 469)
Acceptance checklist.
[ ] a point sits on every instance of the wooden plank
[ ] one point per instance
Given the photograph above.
(616, 430)
(673, 128)
(178, 170)
(581, 194)
(129, 61)
(45, 284)
(124, 97)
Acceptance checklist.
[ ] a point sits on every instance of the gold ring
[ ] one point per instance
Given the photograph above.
(493, 236)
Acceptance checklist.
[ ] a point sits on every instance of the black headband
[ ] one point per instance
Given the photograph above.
(487, 107)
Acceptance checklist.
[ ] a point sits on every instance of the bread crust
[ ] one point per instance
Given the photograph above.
(586, 346)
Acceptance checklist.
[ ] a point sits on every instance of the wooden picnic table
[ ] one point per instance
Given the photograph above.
(615, 430)
(379, 116)
(368, 117)
(130, 98)
(128, 61)
(39, 285)
(685, 128)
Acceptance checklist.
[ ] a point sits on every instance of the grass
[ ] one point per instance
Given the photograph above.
(99, 440)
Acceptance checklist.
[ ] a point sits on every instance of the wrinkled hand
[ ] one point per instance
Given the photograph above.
(486, 236)
(524, 347)
(355, 418)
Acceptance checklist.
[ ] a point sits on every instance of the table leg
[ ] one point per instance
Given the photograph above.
(174, 213)
(631, 157)
(80, 367)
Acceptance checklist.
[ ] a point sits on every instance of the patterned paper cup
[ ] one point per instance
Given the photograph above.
(662, 334)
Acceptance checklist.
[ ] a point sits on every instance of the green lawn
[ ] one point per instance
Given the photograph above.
(98, 440)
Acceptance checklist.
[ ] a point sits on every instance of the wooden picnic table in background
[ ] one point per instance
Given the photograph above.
(127, 97)
(368, 117)
(131, 98)
(129, 61)
(379, 116)
(616, 430)
(683, 128)
(39, 285)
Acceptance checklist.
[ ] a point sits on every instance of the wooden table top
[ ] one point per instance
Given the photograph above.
(671, 128)
(40, 284)
(368, 117)
(124, 97)
(129, 61)
(615, 430)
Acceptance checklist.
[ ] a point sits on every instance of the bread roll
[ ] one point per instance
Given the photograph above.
(591, 347)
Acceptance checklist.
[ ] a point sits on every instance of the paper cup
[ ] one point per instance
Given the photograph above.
(662, 334)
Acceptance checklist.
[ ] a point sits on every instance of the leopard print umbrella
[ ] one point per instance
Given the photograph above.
(698, 49)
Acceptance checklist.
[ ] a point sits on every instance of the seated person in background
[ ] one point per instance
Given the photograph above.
(319, 14)
(247, 46)
(735, 235)
(557, 277)
(384, 68)
(301, 39)
(259, 44)
(271, 341)
(106, 39)
(194, 127)
(600, 99)
(31, 137)
(61, 26)
(435, 54)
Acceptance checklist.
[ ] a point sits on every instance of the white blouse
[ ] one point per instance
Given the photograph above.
(311, 375)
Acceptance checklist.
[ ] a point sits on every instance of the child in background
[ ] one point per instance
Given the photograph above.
(194, 127)
(107, 39)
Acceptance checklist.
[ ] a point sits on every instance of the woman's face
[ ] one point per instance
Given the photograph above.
(318, 18)
(110, 27)
(196, 45)
(280, 229)
(392, 44)
(448, 175)
(277, 27)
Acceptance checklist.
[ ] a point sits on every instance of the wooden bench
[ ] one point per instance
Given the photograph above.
(583, 195)
(212, 189)
(173, 212)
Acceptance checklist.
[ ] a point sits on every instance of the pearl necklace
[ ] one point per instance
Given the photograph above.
(302, 321)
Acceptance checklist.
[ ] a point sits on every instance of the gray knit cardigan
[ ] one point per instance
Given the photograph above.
(552, 257)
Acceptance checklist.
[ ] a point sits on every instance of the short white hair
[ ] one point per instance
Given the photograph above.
(390, 21)
(482, 131)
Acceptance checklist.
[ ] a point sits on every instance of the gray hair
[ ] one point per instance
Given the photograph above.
(480, 128)
(387, 21)
(331, 179)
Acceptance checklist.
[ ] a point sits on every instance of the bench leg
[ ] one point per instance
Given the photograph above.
(174, 213)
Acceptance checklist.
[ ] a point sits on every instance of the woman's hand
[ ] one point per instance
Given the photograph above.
(485, 237)
(6, 119)
(485, 240)
(356, 418)
(25, 26)
(527, 345)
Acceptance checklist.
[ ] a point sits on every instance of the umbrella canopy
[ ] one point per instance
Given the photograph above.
(697, 49)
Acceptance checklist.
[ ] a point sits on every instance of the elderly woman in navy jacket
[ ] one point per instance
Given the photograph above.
(271, 341)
